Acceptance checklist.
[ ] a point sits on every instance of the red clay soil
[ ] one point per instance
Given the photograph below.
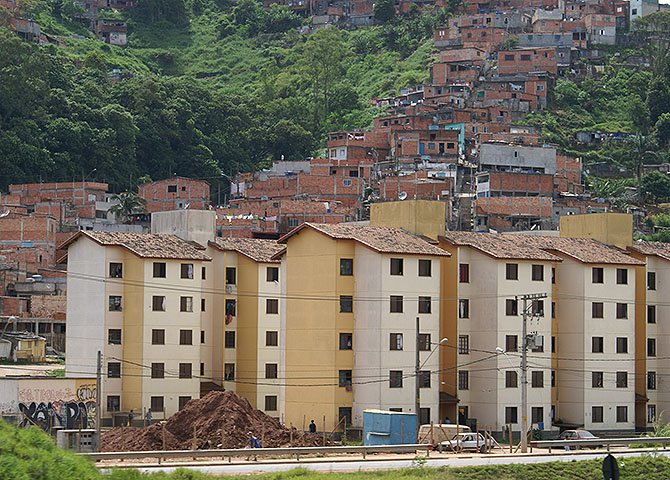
(218, 420)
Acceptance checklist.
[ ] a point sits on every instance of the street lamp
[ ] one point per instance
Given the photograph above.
(417, 373)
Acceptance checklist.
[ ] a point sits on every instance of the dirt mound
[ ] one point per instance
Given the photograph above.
(218, 420)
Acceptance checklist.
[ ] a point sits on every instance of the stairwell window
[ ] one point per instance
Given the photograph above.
(272, 306)
(346, 267)
(344, 378)
(115, 303)
(272, 274)
(346, 304)
(395, 379)
(116, 270)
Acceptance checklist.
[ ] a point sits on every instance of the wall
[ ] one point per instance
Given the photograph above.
(610, 228)
(422, 217)
(191, 225)
(505, 156)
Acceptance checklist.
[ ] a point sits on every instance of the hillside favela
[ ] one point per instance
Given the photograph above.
(335, 238)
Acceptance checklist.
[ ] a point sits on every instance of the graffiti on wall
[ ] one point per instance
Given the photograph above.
(69, 411)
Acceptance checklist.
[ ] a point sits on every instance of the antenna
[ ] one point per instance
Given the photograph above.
(402, 195)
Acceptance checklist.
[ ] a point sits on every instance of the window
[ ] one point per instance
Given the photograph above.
(396, 266)
(396, 303)
(597, 345)
(229, 372)
(202, 369)
(509, 58)
(622, 345)
(346, 266)
(187, 270)
(536, 414)
(651, 313)
(183, 401)
(202, 304)
(424, 305)
(294, 222)
(272, 306)
(425, 268)
(651, 380)
(272, 274)
(185, 370)
(511, 343)
(511, 307)
(345, 183)
(463, 380)
(229, 339)
(621, 310)
(114, 336)
(424, 342)
(172, 188)
(597, 310)
(158, 336)
(553, 275)
(597, 414)
(464, 273)
(395, 379)
(345, 341)
(395, 341)
(203, 273)
(271, 338)
(231, 275)
(622, 276)
(537, 379)
(512, 271)
(464, 344)
(553, 309)
(202, 336)
(511, 379)
(651, 413)
(159, 269)
(157, 370)
(651, 347)
(537, 273)
(157, 404)
(597, 380)
(597, 275)
(115, 303)
(113, 403)
(537, 344)
(525, 58)
(185, 337)
(538, 308)
(651, 280)
(270, 370)
(185, 304)
(346, 304)
(424, 379)
(621, 414)
(271, 403)
(158, 304)
(116, 270)
(464, 308)
(114, 370)
(344, 378)
(621, 379)
(511, 415)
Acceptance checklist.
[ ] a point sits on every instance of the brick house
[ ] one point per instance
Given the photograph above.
(175, 193)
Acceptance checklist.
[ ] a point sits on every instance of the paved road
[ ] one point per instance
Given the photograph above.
(390, 462)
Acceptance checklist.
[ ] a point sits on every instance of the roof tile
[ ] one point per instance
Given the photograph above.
(257, 249)
(149, 245)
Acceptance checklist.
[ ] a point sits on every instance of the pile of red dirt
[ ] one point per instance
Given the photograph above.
(218, 420)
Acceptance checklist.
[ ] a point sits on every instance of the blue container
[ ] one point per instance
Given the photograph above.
(381, 427)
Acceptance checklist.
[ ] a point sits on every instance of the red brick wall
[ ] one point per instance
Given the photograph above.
(188, 191)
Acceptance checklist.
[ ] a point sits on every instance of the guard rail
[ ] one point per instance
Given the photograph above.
(601, 442)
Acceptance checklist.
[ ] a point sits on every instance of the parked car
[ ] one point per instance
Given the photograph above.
(578, 435)
(439, 433)
(468, 442)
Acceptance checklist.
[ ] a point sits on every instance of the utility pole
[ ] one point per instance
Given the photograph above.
(417, 386)
(524, 365)
(98, 400)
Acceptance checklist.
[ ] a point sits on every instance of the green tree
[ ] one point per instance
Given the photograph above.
(152, 11)
(658, 98)
(289, 140)
(655, 187)
(129, 203)
(639, 114)
(653, 35)
(662, 130)
(384, 10)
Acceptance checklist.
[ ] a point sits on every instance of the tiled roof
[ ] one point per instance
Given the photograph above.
(501, 246)
(146, 245)
(380, 239)
(257, 249)
(660, 249)
(585, 250)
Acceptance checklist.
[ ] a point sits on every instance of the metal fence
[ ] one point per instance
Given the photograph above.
(602, 442)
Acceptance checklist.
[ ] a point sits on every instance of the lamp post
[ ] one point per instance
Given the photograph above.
(417, 372)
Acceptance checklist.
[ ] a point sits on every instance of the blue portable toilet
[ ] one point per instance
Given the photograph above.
(382, 427)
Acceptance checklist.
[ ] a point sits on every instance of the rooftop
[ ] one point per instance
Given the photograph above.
(146, 245)
(379, 239)
(256, 249)
(500, 246)
(659, 249)
(586, 250)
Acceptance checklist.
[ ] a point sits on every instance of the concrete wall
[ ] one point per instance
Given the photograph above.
(422, 217)
(193, 225)
(610, 228)
(492, 156)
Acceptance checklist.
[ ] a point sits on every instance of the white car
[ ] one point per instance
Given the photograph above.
(468, 442)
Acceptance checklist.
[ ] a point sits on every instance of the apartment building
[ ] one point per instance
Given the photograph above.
(490, 272)
(138, 298)
(348, 331)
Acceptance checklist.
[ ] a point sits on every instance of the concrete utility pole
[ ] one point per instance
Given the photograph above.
(98, 401)
(524, 365)
(417, 386)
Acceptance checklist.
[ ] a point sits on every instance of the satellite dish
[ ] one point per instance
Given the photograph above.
(402, 195)
(4, 214)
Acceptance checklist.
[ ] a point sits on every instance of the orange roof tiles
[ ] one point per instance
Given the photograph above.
(659, 249)
(257, 249)
(500, 246)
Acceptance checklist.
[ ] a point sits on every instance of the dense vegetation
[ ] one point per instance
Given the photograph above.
(215, 87)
